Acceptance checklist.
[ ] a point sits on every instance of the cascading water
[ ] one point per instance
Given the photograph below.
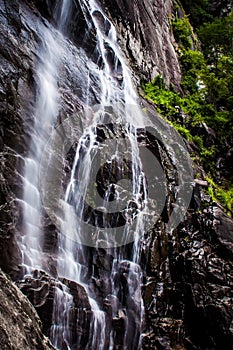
(63, 303)
(46, 111)
(121, 274)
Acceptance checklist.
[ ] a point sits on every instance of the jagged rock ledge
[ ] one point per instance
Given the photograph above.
(20, 326)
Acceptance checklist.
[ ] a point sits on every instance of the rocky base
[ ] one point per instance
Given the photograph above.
(43, 290)
(188, 283)
(20, 326)
(188, 279)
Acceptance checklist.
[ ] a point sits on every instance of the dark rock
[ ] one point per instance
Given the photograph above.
(16, 88)
(41, 290)
(228, 164)
(145, 35)
(119, 326)
(207, 134)
(20, 326)
(79, 294)
(195, 288)
(223, 228)
(187, 274)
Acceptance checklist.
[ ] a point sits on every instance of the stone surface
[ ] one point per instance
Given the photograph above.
(187, 276)
(223, 229)
(17, 44)
(188, 295)
(40, 289)
(146, 37)
(20, 326)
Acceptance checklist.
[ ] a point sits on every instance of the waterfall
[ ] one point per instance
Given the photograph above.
(119, 263)
(63, 304)
(46, 111)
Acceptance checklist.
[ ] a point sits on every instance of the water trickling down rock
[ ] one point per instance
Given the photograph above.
(164, 291)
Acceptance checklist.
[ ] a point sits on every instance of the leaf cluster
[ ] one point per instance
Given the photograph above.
(206, 97)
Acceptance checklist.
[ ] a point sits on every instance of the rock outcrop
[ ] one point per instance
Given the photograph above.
(146, 37)
(20, 326)
(187, 277)
(188, 286)
(42, 290)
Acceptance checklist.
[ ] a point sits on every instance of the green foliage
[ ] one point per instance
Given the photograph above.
(192, 60)
(192, 63)
(183, 31)
(207, 83)
(165, 100)
(171, 104)
(198, 10)
(216, 37)
(225, 196)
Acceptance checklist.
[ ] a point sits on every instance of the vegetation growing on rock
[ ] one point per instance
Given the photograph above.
(203, 111)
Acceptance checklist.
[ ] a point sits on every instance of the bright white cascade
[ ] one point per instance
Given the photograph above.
(45, 115)
(117, 92)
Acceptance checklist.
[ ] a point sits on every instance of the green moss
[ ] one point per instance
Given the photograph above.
(206, 97)
(218, 194)
(183, 31)
(183, 131)
(198, 141)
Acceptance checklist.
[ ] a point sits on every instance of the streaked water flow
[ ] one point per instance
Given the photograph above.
(45, 114)
(117, 91)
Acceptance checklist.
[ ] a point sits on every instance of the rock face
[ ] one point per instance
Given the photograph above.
(20, 326)
(187, 276)
(188, 289)
(16, 85)
(147, 38)
(42, 289)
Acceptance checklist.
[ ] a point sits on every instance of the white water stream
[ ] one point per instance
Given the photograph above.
(45, 115)
(118, 92)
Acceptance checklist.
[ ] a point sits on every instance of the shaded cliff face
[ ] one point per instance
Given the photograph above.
(21, 25)
(187, 276)
(20, 326)
(17, 59)
(144, 34)
(147, 38)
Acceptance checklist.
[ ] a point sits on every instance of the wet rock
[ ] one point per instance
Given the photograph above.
(223, 229)
(146, 37)
(41, 289)
(112, 304)
(195, 287)
(79, 294)
(15, 87)
(187, 274)
(20, 326)
(103, 261)
(119, 325)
